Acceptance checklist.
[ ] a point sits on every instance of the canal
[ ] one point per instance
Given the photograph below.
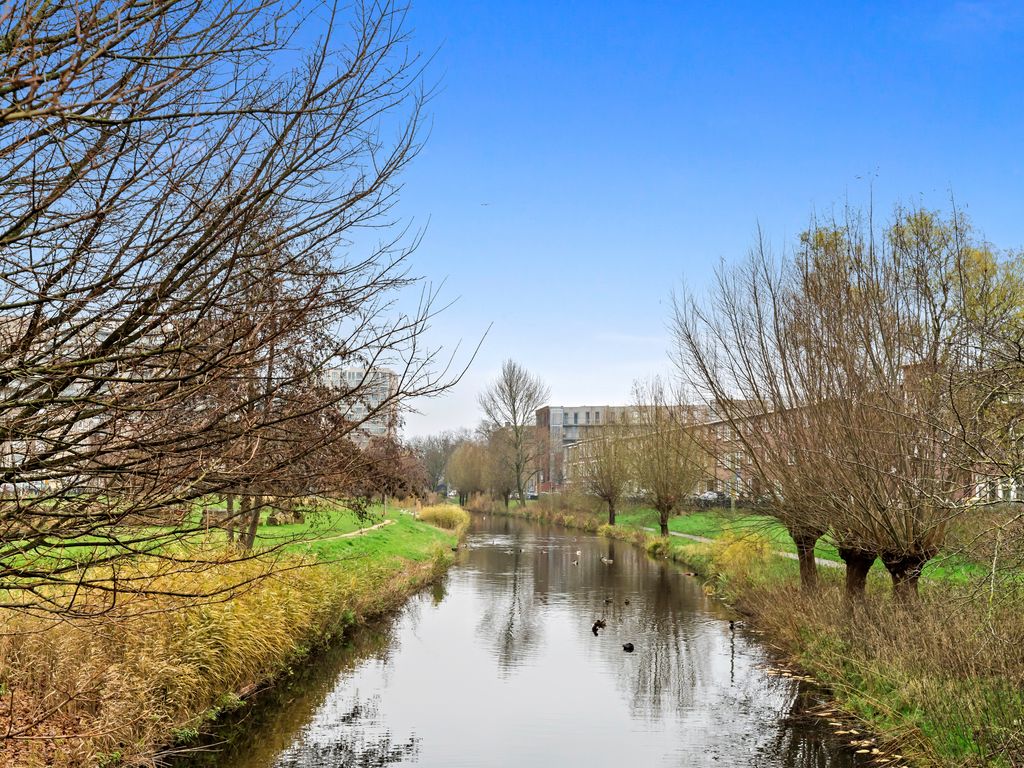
(500, 666)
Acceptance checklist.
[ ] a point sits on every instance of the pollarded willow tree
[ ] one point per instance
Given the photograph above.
(179, 198)
(467, 469)
(603, 466)
(667, 457)
(843, 361)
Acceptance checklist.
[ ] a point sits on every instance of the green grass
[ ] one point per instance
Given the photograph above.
(712, 523)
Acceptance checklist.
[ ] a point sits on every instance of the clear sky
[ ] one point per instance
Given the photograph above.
(585, 158)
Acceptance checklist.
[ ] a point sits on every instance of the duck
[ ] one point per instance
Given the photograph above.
(608, 601)
(626, 601)
(575, 562)
(599, 624)
(579, 552)
(627, 647)
(606, 560)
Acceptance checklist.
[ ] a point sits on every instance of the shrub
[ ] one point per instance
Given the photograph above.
(447, 516)
(658, 547)
(480, 503)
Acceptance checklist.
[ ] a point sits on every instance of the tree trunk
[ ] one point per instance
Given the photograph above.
(805, 555)
(504, 497)
(229, 519)
(663, 520)
(254, 521)
(858, 563)
(905, 570)
(611, 513)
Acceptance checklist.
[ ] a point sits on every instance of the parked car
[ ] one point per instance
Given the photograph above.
(712, 499)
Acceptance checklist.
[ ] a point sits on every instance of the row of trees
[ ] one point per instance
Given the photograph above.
(650, 453)
(872, 376)
(180, 202)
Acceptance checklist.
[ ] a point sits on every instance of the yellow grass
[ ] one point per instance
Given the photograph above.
(107, 690)
(448, 516)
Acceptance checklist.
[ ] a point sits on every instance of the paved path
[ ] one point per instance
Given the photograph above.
(791, 555)
(360, 532)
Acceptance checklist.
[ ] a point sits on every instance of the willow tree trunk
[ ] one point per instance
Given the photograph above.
(663, 520)
(805, 542)
(858, 563)
(905, 571)
(611, 513)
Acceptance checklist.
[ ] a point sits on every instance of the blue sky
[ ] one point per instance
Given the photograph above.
(585, 158)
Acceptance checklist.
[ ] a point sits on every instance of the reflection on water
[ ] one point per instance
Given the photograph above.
(500, 667)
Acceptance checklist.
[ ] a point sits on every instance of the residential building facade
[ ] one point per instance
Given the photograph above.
(372, 407)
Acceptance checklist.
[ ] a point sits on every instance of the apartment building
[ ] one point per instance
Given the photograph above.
(560, 426)
(372, 406)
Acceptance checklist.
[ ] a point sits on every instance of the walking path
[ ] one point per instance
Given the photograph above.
(791, 555)
(360, 532)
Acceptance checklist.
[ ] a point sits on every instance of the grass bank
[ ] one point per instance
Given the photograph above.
(155, 670)
(941, 682)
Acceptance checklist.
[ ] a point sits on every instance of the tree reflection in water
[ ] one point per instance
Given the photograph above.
(502, 668)
(509, 622)
(355, 750)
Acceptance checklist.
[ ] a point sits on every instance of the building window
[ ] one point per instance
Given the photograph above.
(575, 417)
(588, 417)
(597, 417)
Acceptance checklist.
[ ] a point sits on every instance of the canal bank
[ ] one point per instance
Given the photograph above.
(936, 680)
(150, 676)
(501, 664)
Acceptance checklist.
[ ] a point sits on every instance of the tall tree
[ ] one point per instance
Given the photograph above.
(435, 451)
(178, 194)
(837, 364)
(511, 403)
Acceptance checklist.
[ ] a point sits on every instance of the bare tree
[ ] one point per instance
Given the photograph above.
(604, 462)
(667, 459)
(511, 403)
(178, 200)
(435, 451)
(834, 367)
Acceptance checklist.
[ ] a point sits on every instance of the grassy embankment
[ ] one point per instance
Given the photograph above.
(155, 670)
(941, 682)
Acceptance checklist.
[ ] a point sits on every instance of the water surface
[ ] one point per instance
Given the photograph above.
(499, 666)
